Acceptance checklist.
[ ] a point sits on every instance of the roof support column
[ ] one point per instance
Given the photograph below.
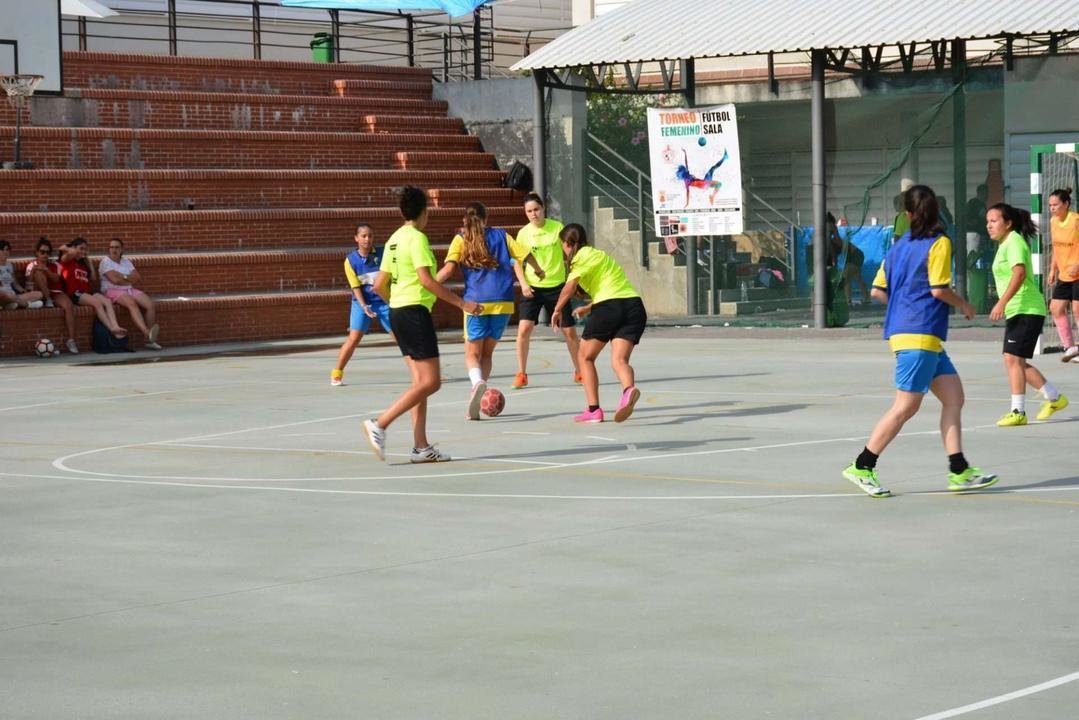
(539, 133)
(689, 90)
(820, 211)
(959, 155)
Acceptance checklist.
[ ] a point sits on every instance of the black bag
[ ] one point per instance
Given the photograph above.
(518, 177)
(105, 343)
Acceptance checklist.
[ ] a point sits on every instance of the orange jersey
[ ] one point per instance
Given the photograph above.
(1065, 236)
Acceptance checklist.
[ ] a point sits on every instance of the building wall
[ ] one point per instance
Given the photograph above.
(1040, 107)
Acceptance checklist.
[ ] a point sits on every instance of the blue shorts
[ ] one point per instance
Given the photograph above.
(478, 327)
(915, 370)
(358, 321)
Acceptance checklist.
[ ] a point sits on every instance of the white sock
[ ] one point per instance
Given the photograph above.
(475, 375)
(1019, 402)
(1051, 393)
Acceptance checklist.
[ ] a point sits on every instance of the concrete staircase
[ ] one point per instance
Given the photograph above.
(234, 184)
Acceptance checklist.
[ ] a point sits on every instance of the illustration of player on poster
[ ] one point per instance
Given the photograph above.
(696, 170)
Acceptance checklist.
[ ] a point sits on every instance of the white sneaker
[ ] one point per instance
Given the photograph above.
(72, 346)
(35, 305)
(152, 346)
(1070, 354)
(474, 400)
(428, 454)
(152, 337)
(376, 436)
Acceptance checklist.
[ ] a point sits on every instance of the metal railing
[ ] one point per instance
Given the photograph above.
(266, 30)
(621, 185)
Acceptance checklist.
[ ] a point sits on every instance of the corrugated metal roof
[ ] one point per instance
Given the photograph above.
(647, 30)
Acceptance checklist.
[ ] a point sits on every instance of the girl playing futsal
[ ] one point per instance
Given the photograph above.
(1064, 269)
(914, 281)
(405, 280)
(616, 315)
(541, 290)
(1023, 306)
(485, 257)
(361, 268)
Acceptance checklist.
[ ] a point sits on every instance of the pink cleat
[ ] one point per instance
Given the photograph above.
(630, 396)
(590, 416)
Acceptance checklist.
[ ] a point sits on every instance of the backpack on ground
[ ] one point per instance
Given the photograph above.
(105, 342)
(518, 177)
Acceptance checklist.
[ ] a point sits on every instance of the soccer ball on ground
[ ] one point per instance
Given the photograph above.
(44, 347)
(492, 402)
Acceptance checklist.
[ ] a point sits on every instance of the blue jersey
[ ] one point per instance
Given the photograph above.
(364, 270)
(484, 285)
(915, 320)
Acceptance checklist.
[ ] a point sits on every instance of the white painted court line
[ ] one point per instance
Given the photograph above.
(1008, 697)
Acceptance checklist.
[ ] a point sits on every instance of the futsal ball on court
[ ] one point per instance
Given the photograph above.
(492, 402)
(44, 348)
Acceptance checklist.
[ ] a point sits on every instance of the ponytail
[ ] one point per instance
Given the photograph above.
(475, 253)
(1019, 219)
(921, 202)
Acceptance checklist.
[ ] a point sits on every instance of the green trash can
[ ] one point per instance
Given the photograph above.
(322, 48)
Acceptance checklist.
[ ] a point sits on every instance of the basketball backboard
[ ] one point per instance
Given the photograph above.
(30, 41)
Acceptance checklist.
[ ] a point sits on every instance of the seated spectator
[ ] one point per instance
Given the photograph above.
(79, 279)
(119, 279)
(44, 274)
(12, 294)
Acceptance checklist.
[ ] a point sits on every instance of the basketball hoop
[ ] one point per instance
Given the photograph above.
(19, 89)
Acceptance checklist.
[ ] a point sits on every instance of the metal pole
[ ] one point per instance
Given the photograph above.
(539, 132)
(335, 29)
(689, 90)
(712, 265)
(82, 32)
(477, 67)
(256, 28)
(445, 57)
(172, 27)
(640, 217)
(959, 155)
(820, 242)
(410, 23)
(18, 137)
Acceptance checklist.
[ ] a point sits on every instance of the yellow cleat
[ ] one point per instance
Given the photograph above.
(1051, 406)
(1013, 419)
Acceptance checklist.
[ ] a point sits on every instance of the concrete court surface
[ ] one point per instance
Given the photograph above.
(212, 538)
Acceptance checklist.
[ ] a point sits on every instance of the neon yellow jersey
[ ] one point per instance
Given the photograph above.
(406, 250)
(545, 246)
(600, 276)
(517, 251)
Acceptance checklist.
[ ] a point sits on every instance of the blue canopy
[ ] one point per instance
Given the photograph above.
(453, 8)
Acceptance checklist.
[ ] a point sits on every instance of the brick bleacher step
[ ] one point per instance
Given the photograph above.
(225, 75)
(149, 231)
(112, 148)
(455, 160)
(201, 319)
(349, 88)
(75, 190)
(98, 107)
(411, 123)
